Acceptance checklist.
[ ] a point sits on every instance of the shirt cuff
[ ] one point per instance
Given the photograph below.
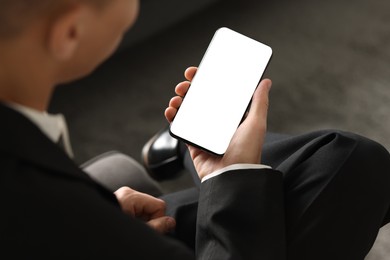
(240, 166)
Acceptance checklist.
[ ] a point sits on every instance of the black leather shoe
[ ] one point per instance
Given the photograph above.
(161, 156)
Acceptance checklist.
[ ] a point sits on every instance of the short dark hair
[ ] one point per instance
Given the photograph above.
(16, 14)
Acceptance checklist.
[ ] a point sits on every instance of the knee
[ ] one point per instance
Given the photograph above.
(362, 144)
(370, 158)
(369, 161)
(367, 148)
(373, 165)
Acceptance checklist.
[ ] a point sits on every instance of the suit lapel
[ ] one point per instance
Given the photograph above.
(23, 139)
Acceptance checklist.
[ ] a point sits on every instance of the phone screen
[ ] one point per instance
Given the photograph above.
(221, 91)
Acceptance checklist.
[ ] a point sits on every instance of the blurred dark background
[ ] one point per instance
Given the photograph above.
(330, 69)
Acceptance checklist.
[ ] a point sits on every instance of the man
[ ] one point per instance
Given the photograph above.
(52, 209)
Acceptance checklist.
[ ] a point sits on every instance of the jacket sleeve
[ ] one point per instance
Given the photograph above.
(241, 216)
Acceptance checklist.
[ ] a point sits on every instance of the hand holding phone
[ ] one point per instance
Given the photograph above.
(247, 142)
(221, 91)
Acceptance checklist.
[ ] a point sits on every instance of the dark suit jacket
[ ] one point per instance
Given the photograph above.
(52, 209)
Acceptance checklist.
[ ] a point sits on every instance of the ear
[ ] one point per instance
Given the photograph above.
(65, 33)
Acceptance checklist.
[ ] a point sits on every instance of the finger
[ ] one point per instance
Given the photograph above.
(260, 101)
(174, 105)
(175, 102)
(140, 205)
(162, 225)
(170, 113)
(190, 73)
(182, 88)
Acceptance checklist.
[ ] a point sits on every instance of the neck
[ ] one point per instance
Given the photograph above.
(23, 76)
(25, 94)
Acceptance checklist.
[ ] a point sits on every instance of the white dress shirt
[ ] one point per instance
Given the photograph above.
(53, 126)
(232, 167)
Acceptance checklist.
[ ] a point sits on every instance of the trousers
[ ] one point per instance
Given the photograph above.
(336, 189)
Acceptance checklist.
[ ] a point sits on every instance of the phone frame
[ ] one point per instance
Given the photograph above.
(261, 74)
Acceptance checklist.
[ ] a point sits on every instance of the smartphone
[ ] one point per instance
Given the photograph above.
(221, 91)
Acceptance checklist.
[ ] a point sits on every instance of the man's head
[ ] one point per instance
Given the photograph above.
(48, 42)
(16, 14)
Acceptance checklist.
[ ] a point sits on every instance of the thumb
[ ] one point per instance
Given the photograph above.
(162, 225)
(260, 100)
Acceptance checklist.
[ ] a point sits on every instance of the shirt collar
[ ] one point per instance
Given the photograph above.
(52, 125)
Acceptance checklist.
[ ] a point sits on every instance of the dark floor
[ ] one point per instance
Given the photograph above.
(330, 70)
